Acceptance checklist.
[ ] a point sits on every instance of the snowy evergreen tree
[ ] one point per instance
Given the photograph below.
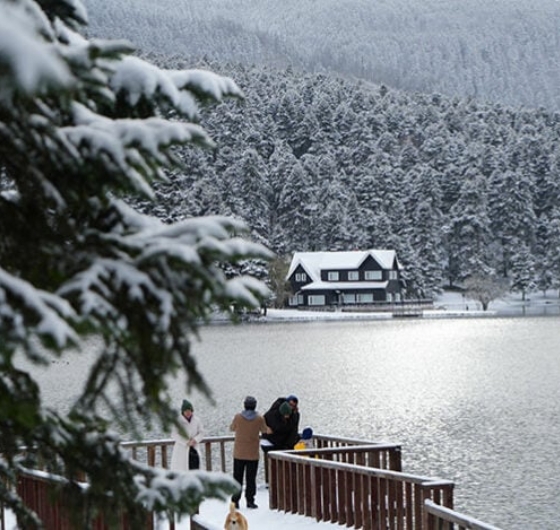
(522, 270)
(552, 263)
(510, 202)
(427, 240)
(469, 233)
(83, 131)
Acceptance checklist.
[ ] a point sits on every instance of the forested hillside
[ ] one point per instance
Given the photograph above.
(504, 51)
(458, 188)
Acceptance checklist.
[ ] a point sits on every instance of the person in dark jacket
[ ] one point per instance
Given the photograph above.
(283, 419)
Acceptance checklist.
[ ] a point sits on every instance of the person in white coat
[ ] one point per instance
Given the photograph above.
(185, 454)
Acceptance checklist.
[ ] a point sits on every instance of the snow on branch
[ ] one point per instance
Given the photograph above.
(156, 487)
(129, 146)
(203, 82)
(96, 286)
(27, 62)
(138, 81)
(21, 304)
(208, 234)
(244, 288)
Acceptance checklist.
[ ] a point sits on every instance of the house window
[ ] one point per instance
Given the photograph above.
(393, 275)
(353, 276)
(301, 277)
(348, 298)
(365, 298)
(316, 299)
(373, 275)
(332, 276)
(295, 300)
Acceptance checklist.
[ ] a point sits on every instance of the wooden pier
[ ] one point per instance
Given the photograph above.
(354, 483)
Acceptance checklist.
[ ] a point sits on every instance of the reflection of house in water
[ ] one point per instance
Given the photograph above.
(345, 278)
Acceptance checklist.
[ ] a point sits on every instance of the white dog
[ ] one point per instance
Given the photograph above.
(235, 520)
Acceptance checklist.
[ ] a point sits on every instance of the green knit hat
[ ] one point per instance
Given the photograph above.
(187, 405)
(285, 409)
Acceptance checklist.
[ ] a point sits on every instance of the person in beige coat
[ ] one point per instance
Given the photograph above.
(248, 426)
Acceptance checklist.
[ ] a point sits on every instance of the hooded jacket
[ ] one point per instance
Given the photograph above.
(248, 426)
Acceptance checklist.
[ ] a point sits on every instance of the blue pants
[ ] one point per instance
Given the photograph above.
(248, 467)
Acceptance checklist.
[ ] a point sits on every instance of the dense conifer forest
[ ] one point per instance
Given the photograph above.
(505, 51)
(429, 127)
(459, 188)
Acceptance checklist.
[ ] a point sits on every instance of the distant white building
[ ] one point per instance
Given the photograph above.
(344, 278)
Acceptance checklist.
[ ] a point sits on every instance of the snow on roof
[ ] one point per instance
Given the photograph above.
(344, 286)
(315, 262)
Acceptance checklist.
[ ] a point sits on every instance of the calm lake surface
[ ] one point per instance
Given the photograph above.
(476, 401)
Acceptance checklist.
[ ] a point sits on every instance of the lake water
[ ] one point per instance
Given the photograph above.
(476, 401)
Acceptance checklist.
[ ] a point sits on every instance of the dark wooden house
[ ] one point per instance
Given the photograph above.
(344, 278)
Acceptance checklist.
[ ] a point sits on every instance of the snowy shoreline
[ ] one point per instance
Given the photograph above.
(449, 305)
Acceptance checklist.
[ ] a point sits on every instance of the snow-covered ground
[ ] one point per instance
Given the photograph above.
(213, 514)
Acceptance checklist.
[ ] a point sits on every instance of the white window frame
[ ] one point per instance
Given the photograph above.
(332, 276)
(393, 275)
(301, 277)
(373, 275)
(364, 298)
(353, 276)
(316, 299)
(348, 298)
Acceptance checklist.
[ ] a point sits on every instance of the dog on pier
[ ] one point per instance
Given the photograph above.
(235, 520)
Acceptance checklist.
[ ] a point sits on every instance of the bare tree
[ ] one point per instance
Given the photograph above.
(485, 289)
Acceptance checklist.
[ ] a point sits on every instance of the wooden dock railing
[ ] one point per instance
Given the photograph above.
(312, 483)
(158, 452)
(342, 480)
(39, 491)
(439, 517)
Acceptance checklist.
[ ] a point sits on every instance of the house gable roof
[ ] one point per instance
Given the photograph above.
(314, 262)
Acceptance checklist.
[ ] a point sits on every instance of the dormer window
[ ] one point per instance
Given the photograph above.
(373, 275)
(353, 276)
(301, 277)
(332, 276)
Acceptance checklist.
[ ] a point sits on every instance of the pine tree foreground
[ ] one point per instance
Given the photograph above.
(84, 126)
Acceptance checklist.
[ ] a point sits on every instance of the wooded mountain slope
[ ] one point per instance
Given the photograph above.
(458, 188)
(504, 51)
